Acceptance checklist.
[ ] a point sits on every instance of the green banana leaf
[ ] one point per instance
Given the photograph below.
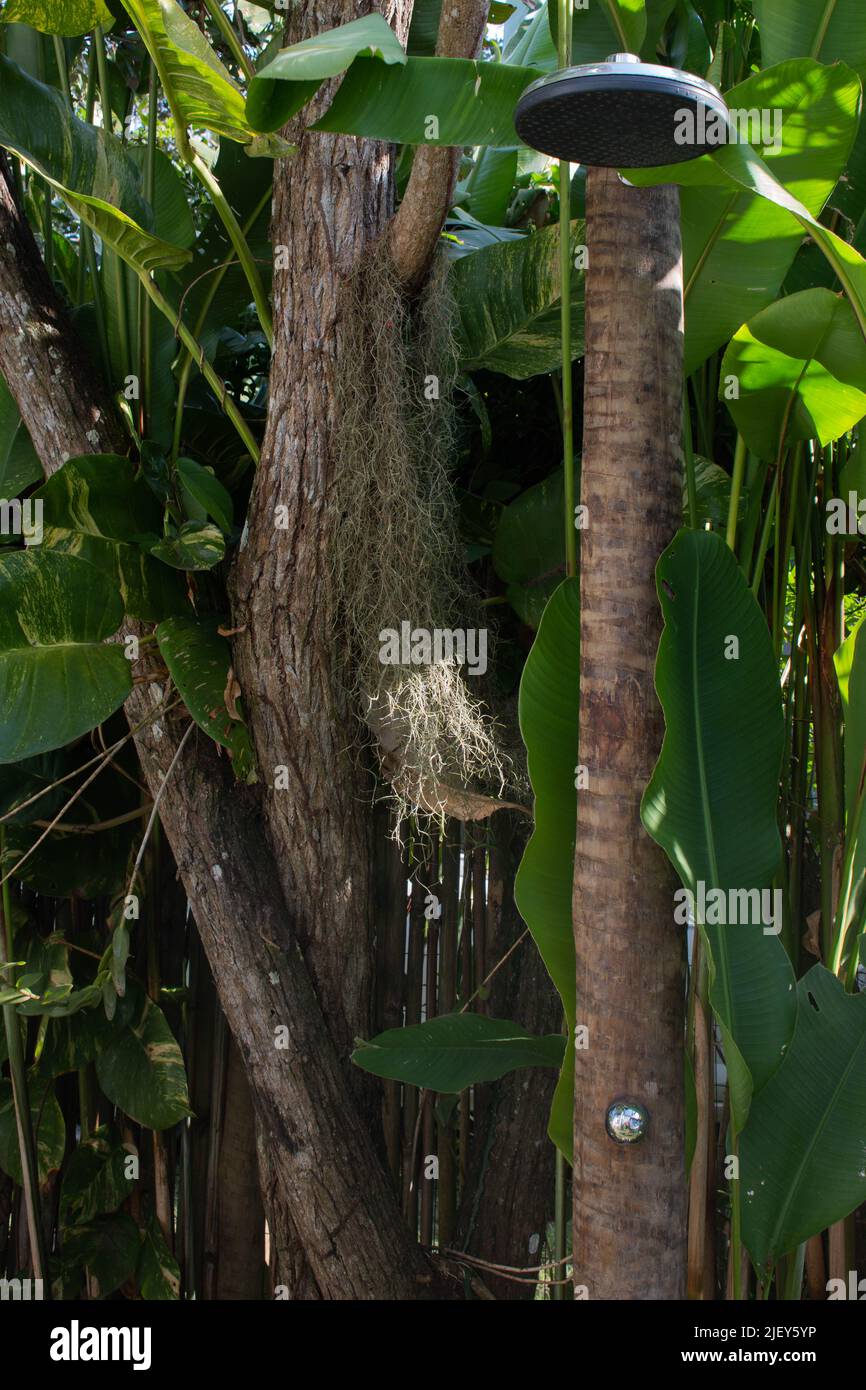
(548, 709)
(813, 28)
(800, 368)
(802, 1155)
(711, 801)
(87, 167)
(294, 75)
(429, 101)
(449, 1053)
(737, 249)
(196, 83)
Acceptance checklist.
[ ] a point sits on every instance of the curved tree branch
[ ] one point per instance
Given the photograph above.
(418, 222)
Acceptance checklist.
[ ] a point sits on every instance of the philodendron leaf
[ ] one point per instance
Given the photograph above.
(19, 463)
(199, 87)
(429, 101)
(58, 678)
(158, 1273)
(87, 166)
(711, 801)
(548, 709)
(800, 369)
(454, 1051)
(199, 660)
(195, 545)
(108, 1247)
(48, 1127)
(508, 305)
(141, 1070)
(802, 1153)
(96, 507)
(294, 75)
(67, 18)
(207, 492)
(95, 1180)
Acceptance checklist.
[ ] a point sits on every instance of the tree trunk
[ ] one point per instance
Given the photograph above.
(629, 1199)
(45, 366)
(331, 1199)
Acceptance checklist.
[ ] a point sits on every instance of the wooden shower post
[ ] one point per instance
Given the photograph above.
(629, 1227)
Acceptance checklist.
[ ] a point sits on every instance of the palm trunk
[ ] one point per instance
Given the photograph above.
(629, 1199)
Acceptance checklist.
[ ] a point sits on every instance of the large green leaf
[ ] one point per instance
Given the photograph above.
(49, 1129)
(486, 191)
(108, 1247)
(199, 660)
(800, 365)
(95, 1180)
(142, 1070)
(822, 29)
(88, 167)
(199, 87)
(741, 163)
(602, 27)
(711, 801)
(194, 545)
(532, 45)
(529, 547)
(96, 508)
(172, 214)
(58, 679)
(802, 1154)
(738, 248)
(67, 18)
(158, 1272)
(203, 491)
(19, 463)
(429, 101)
(548, 709)
(294, 75)
(454, 1051)
(508, 305)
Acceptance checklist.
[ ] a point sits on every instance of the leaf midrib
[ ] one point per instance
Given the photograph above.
(810, 1147)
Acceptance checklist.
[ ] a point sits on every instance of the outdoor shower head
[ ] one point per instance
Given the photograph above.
(622, 114)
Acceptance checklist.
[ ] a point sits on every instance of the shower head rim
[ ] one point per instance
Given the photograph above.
(619, 81)
(636, 76)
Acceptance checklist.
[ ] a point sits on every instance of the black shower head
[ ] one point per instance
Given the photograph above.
(622, 114)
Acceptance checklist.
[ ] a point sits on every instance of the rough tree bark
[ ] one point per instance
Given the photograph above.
(36, 359)
(629, 1200)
